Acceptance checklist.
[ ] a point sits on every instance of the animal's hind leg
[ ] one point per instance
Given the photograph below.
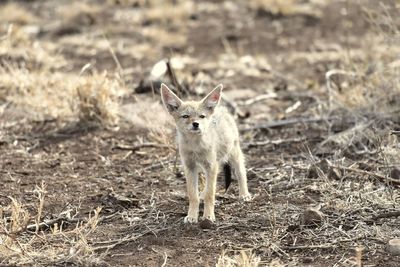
(237, 162)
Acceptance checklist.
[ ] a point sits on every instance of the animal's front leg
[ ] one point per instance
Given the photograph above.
(193, 194)
(209, 192)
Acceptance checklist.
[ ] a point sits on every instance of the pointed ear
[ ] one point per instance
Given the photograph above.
(169, 99)
(213, 98)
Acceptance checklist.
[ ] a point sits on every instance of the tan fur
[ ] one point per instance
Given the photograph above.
(206, 147)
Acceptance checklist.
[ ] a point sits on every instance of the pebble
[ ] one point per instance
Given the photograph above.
(206, 224)
(393, 246)
(312, 216)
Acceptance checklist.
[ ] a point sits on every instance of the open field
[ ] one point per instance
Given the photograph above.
(88, 164)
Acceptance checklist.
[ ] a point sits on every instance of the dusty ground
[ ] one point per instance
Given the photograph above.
(48, 133)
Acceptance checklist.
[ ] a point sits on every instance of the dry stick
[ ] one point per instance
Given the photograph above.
(387, 215)
(272, 95)
(172, 77)
(136, 147)
(258, 98)
(332, 244)
(50, 223)
(286, 122)
(126, 239)
(378, 176)
(165, 259)
(233, 106)
(323, 246)
(41, 191)
(115, 58)
(160, 164)
(275, 142)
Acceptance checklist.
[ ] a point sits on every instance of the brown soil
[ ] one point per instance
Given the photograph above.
(84, 168)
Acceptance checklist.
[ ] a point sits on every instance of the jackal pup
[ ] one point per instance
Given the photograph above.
(208, 138)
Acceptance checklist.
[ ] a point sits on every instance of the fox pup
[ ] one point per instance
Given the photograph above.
(208, 138)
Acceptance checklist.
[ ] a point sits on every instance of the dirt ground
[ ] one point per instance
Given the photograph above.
(321, 147)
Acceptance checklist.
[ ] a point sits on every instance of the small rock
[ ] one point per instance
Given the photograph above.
(395, 173)
(315, 170)
(364, 166)
(312, 172)
(206, 224)
(393, 246)
(312, 216)
(324, 167)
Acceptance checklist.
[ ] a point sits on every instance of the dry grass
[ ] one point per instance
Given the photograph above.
(46, 95)
(37, 81)
(98, 99)
(16, 13)
(32, 78)
(367, 88)
(243, 259)
(20, 244)
(287, 7)
(168, 12)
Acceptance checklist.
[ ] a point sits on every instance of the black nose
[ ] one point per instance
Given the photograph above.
(195, 125)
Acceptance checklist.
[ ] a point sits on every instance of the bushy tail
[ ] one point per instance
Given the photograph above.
(228, 175)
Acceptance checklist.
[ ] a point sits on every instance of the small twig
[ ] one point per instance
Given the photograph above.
(126, 239)
(322, 246)
(234, 107)
(275, 142)
(387, 215)
(378, 176)
(165, 259)
(49, 223)
(287, 122)
(114, 56)
(257, 99)
(41, 192)
(138, 146)
(157, 165)
(171, 73)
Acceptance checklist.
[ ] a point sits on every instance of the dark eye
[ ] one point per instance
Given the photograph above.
(185, 116)
(202, 116)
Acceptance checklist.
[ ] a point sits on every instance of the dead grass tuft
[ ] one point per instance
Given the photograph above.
(19, 245)
(168, 12)
(98, 100)
(286, 8)
(45, 95)
(243, 259)
(16, 13)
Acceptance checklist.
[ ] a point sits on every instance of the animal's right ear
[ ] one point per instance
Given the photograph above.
(169, 99)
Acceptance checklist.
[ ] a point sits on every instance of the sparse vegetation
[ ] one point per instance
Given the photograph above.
(314, 85)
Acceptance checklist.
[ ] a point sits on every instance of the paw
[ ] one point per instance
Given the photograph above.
(246, 197)
(189, 219)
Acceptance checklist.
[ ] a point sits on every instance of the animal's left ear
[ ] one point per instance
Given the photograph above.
(213, 98)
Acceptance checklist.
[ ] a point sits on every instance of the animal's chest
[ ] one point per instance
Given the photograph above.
(200, 155)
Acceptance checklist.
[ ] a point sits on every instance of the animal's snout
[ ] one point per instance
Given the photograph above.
(195, 125)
